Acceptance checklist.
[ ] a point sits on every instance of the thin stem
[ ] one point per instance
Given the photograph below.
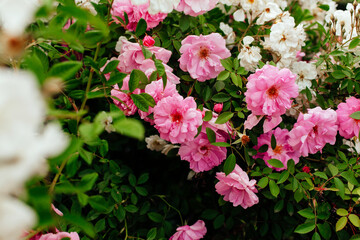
(169, 205)
(126, 230)
(56, 178)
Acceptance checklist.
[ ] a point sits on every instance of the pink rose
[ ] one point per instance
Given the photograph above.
(313, 130)
(135, 13)
(348, 127)
(236, 188)
(59, 236)
(126, 104)
(218, 107)
(193, 232)
(177, 119)
(201, 55)
(196, 7)
(283, 151)
(131, 55)
(201, 154)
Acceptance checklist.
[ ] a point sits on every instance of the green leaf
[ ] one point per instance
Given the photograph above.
(140, 102)
(221, 144)
(65, 70)
(230, 163)
(98, 203)
(342, 212)
(155, 217)
(223, 75)
(224, 117)
(209, 214)
(275, 163)
(291, 166)
(227, 64)
(219, 221)
(341, 223)
(279, 206)
(221, 97)
(321, 174)
(354, 43)
(350, 177)
(342, 156)
(86, 155)
(307, 213)
(160, 68)
(325, 230)
(210, 135)
(111, 66)
(136, 77)
(149, 99)
(263, 182)
(151, 235)
(354, 219)
(143, 178)
(305, 228)
(340, 185)
(130, 127)
(283, 177)
(184, 23)
(208, 116)
(334, 170)
(355, 115)
(274, 188)
(131, 209)
(273, 142)
(87, 181)
(337, 74)
(142, 191)
(316, 236)
(83, 224)
(141, 27)
(324, 7)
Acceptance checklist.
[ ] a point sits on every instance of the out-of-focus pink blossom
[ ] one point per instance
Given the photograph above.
(131, 55)
(201, 154)
(299, 56)
(313, 130)
(125, 104)
(201, 55)
(135, 13)
(148, 67)
(59, 236)
(348, 127)
(218, 107)
(57, 211)
(196, 7)
(236, 188)
(306, 169)
(157, 91)
(177, 119)
(194, 232)
(283, 151)
(148, 41)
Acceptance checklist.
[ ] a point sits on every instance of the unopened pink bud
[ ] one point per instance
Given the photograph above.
(218, 107)
(148, 41)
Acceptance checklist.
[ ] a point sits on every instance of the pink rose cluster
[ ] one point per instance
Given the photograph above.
(201, 55)
(194, 232)
(196, 7)
(269, 93)
(237, 188)
(135, 13)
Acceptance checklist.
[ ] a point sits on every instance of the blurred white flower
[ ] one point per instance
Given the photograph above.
(119, 43)
(16, 15)
(25, 142)
(271, 11)
(158, 6)
(239, 15)
(15, 217)
(87, 4)
(354, 144)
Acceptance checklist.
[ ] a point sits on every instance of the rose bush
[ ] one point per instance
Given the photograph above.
(102, 99)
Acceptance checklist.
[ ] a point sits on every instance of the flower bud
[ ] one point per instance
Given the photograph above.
(218, 107)
(148, 41)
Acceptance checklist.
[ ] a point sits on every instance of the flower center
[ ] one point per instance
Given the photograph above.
(267, 10)
(204, 52)
(251, 1)
(315, 129)
(176, 117)
(272, 92)
(278, 149)
(283, 39)
(204, 148)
